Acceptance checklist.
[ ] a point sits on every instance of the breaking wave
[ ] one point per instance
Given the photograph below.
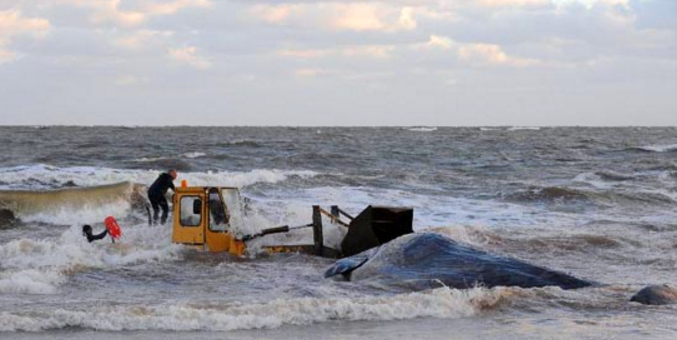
(522, 128)
(41, 176)
(656, 148)
(63, 206)
(178, 162)
(559, 195)
(40, 266)
(614, 176)
(439, 303)
(194, 154)
(548, 194)
(245, 143)
(77, 194)
(423, 129)
(474, 235)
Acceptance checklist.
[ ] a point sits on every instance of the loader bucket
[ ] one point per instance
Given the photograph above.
(375, 226)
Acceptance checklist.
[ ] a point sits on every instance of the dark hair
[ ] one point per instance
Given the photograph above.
(86, 229)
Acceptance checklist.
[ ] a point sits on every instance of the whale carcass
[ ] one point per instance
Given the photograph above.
(425, 260)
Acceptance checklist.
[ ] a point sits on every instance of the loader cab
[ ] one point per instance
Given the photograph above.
(207, 217)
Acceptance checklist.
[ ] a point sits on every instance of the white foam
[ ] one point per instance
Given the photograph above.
(195, 154)
(593, 179)
(474, 235)
(189, 155)
(439, 303)
(30, 281)
(660, 148)
(423, 129)
(522, 128)
(69, 214)
(32, 266)
(457, 210)
(41, 176)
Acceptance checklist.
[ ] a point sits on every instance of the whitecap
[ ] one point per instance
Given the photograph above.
(439, 303)
(659, 148)
(422, 129)
(522, 128)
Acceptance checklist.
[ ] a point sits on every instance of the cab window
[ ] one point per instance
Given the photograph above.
(231, 197)
(218, 216)
(190, 214)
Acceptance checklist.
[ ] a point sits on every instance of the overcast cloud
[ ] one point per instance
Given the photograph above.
(396, 62)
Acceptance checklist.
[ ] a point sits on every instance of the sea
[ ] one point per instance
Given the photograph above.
(596, 203)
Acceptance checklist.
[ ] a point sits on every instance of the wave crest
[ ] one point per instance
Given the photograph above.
(440, 303)
(656, 148)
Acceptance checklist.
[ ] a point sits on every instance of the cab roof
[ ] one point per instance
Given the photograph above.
(196, 189)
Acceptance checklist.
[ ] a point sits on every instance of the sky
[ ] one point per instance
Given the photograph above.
(330, 63)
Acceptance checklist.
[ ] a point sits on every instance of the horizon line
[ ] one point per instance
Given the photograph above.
(338, 126)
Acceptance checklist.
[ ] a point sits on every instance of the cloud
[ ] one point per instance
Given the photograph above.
(491, 54)
(141, 38)
(369, 16)
(477, 53)
(167, 8)
(313, 72)
(473, 53)
(372, 51)
(109, 11)
(304, 53)
(436, 41)
(504, 50)
(12, 24)
(188, 55)
(275, 14)
(515, 3)
(369, 79)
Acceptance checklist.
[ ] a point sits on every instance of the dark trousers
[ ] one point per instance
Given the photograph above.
(157, 202)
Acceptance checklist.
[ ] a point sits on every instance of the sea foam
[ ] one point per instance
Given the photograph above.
(440, 303)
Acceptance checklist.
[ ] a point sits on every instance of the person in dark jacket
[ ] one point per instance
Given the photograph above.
(87, 232)
(157, 192)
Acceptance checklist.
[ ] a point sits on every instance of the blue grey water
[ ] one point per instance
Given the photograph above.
(597, 203)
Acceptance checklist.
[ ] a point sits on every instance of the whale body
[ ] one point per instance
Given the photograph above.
(426, 260)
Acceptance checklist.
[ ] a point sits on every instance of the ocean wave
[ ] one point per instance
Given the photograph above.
(193, 154)
(87, 204)
(422, 129)
(603, 179)
(42, 176)
(656, 148)
(247, 143)
(473, 235)
(40, 266)
(63, 206)
(614, 176)
(601, 197)
(438, 303)
(523, 128)
(179, 162)
(548, 194)
(581, 243)
(31, 281)
(188, 155)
